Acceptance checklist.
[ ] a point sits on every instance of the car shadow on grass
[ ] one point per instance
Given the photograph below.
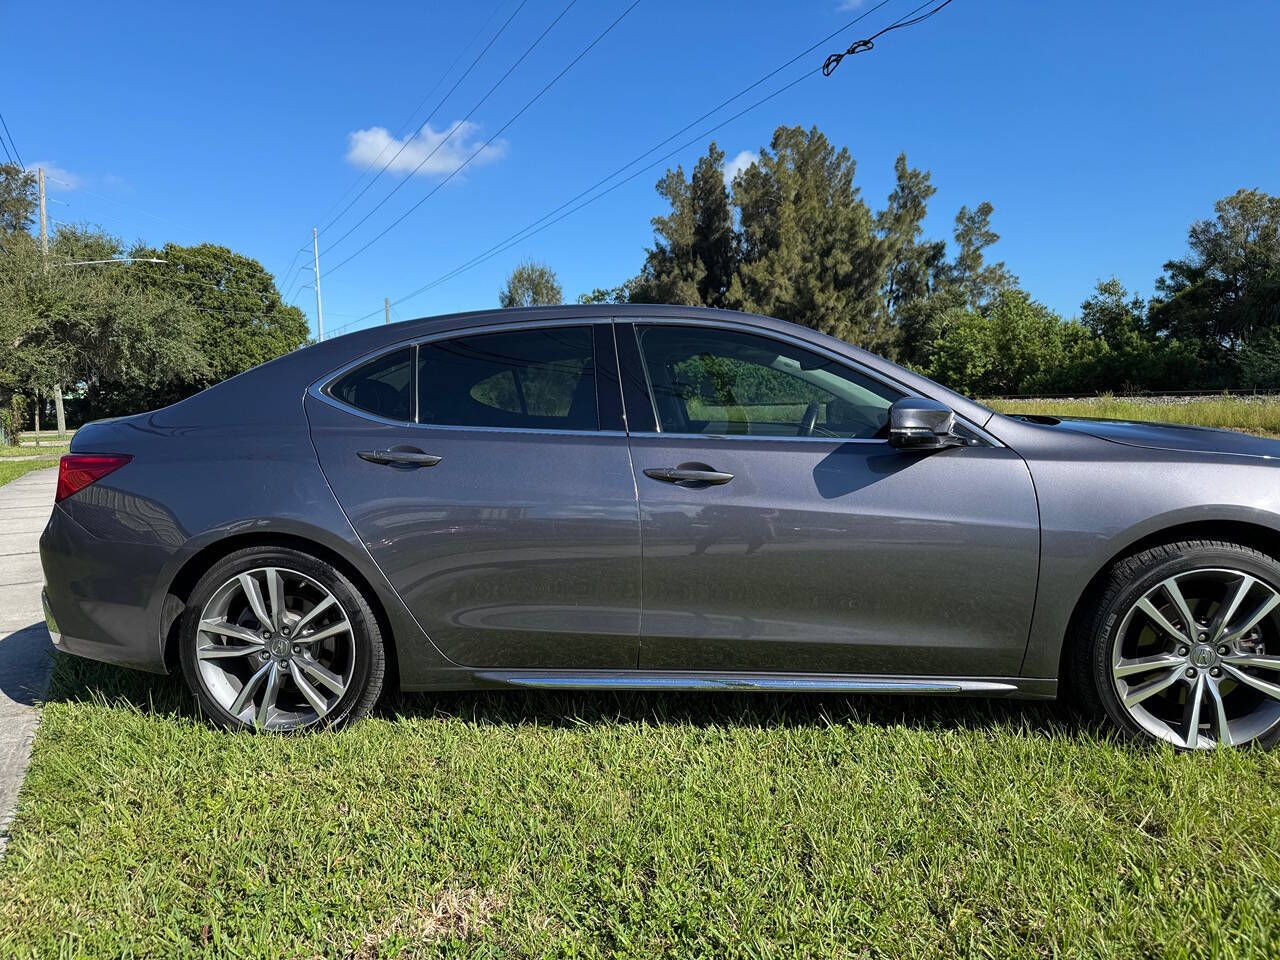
(795, 710)
(83, 681)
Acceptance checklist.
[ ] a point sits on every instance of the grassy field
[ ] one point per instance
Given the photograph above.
(631, 826)
(1254, 414)
(26, 450)
(610, 825)
(12, 469)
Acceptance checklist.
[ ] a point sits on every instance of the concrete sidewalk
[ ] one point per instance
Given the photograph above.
(24, 642)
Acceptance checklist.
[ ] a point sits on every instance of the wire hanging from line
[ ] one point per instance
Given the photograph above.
(868, 43)
(550, 219)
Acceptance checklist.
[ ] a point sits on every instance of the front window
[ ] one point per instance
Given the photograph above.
(713, 381)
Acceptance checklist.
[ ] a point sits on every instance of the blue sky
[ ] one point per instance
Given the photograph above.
(1099, 130)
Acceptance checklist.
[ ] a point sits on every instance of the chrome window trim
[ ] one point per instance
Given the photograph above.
(758, 331)
(758, 437)
(320, 388)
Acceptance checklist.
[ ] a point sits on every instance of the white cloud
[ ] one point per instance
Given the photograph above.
(376, 146)
(850, 4)
(739, 163)
(62, 177)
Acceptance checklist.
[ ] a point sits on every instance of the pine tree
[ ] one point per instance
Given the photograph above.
(810, 253)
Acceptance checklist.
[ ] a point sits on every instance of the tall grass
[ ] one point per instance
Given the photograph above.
(1254, 414)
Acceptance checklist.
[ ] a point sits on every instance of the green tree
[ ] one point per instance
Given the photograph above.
(619, 294)
(979, 281)
(1225, 294)
(18, 199)
(243, 321)
(809, 248)
(1016, 346)
(88, 325)
(915, 267)
(531, 284)
(695, 255)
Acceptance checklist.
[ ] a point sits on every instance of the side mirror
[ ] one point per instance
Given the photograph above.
(917, 423)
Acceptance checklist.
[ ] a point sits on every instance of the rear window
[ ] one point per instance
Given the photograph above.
(540, 379)
(382, 387)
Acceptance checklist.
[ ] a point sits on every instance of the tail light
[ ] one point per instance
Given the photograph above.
(77, 470)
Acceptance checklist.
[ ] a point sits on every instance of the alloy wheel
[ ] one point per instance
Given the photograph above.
(1196, 660)
(275, 648)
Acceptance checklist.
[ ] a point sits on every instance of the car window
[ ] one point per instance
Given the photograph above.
(538, 378)
(381, 387)
(715, 381)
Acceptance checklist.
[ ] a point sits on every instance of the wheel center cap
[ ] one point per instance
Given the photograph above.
(1204, 655)
(278, 647)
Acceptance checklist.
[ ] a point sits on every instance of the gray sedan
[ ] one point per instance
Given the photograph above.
(662, 498)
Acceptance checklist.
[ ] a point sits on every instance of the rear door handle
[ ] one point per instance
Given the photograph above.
(407, 458)
(689, 474)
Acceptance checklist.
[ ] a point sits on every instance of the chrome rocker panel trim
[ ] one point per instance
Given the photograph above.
(767, 682)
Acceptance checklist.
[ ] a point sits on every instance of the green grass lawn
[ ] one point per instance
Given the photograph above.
(631, 826)
(30, 450)
(1254, 414)
(13, 469)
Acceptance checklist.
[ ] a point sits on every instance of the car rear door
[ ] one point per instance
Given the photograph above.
(488, 474)
(827, 551)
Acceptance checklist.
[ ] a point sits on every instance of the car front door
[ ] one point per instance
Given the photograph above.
(781, 532)
(489, 477)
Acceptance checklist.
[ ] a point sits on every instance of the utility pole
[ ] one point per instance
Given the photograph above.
(44, 227)
(386, 310)
(315, 250)
(44, 250)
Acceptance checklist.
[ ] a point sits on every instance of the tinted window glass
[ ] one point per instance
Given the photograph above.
(542, 379)
(724, 382)
(380, 387)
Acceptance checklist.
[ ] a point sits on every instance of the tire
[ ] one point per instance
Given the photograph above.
(321, 665)
(1101, 680)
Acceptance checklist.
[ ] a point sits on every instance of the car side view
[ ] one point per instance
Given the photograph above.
(653, 497)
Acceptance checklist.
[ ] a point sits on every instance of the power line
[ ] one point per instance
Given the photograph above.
(12, 143)
(435, 110)
(404, 127)
(447, 138)
(534, 99)
(530, 229)
(285, 277)
(538, 225)
(118, 203)
(527, 233)
(858, 46)
(293, 264)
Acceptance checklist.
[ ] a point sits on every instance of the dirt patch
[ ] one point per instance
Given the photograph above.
(448, 915)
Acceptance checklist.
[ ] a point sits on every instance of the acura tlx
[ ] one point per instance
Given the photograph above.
(663, 498)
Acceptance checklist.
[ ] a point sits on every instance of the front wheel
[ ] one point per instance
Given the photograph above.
(1183, 646)
(276, 639)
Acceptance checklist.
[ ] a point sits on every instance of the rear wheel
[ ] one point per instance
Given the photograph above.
(1183, 646)
(276, 639)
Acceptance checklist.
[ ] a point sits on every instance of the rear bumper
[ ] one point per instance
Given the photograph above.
(99, 594)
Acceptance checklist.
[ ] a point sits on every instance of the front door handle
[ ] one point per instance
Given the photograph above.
(689, 474)
(404, 458)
